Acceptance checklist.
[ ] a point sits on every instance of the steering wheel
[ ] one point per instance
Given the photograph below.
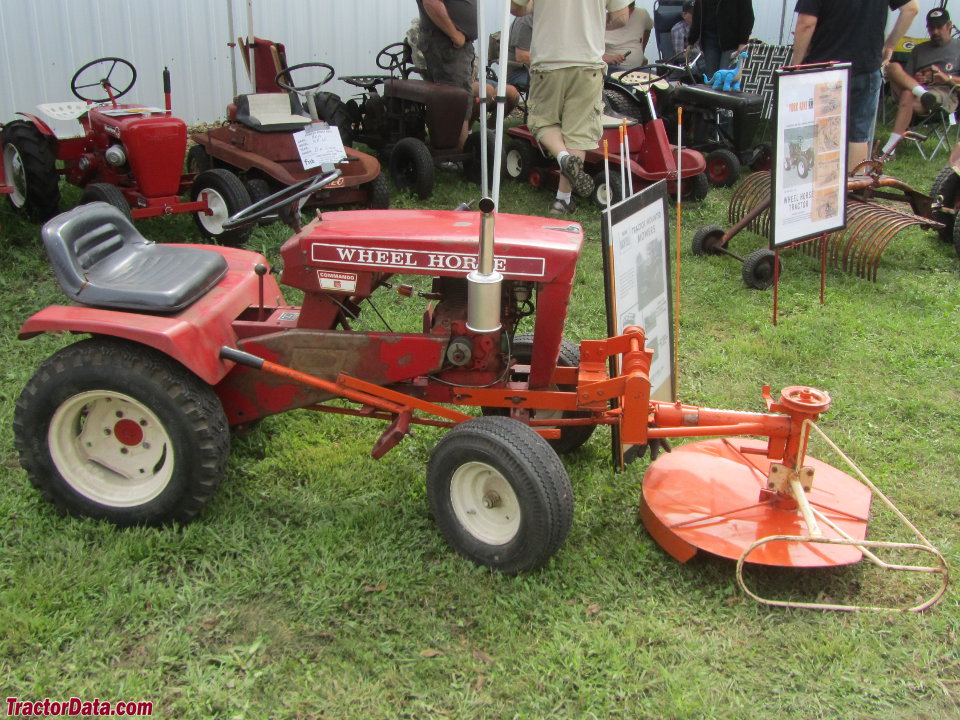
(391, 57)
(103, 69)
(274, 203)
(279, 79)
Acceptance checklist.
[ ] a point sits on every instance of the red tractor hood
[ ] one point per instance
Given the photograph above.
(430, 242)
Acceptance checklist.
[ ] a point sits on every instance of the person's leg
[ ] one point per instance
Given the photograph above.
(861, 116)
(710, 47)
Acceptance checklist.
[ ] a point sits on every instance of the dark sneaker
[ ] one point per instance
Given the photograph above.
(572, 168)
(563, 207)
(930, 101)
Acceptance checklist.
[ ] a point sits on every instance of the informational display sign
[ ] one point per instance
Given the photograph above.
(319, 144)
(808, 183)
(636, 263)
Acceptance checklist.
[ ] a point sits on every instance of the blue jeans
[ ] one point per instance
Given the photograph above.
(714, 57)
(862, 113)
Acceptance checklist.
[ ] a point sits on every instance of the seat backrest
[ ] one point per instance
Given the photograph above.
(78, 239)
(666, 13)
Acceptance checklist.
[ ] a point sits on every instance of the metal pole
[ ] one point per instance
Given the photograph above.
(231, 43)
(250, 48)
(783, 20)
(482, 98)
(501, 100)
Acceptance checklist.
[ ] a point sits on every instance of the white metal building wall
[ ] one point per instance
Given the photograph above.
(45, 41)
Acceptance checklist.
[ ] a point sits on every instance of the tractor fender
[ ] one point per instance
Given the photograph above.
(39, 124)
(193, 337)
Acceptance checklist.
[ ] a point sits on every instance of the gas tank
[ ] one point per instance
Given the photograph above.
(427, 242)
(155, 144)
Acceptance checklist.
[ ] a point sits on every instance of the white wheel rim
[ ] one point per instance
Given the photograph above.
(514, 163)
(219, 212)
(13, 170)
(110, 448)
(484, 503)
(602, 194)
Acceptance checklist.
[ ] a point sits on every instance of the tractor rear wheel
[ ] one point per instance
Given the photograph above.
(601, 192)
(723, 168)
(520, 157)
(117, 431)
(621, 102)
(571, 437)
(225, 196)
(105, 192)
(259, 189)
(378, 193)
(411, 167)
(946, 191)
(333, 111)
(472, 166)
(758, 268)
(708, 240)
(198, 159)
(29, 163)
(499, 494)
(762, 158)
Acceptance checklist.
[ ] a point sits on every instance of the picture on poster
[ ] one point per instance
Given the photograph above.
(808, 188)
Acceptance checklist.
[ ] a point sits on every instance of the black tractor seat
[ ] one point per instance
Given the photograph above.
(366, 82)
(101, 259)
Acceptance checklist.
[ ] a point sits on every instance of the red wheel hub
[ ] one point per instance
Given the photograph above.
(128, 432)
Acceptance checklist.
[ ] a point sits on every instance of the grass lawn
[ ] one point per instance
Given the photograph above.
(315, 584)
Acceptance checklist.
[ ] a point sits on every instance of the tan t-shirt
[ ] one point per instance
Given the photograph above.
(569, 33)
(630, 38)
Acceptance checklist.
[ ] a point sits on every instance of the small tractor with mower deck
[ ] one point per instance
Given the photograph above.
(130, 156)
(132, 424)
(258, 141)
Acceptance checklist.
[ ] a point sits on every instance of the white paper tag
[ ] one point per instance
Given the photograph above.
(319, 144)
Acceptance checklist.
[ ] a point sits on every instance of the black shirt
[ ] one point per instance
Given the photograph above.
(463, 13)
(848, 30)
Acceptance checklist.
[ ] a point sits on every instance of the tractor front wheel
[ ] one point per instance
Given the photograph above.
(105, 192)
(115, 431)
(499, 494)
(602, 192)
(696, 187)
(411, 167)
(225, 196)
(723, 168)
(759, 267)
(29, 164)
(520, 157)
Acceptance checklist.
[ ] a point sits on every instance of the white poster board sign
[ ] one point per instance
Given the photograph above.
(636, 264)
(319, 144)
(808, 184)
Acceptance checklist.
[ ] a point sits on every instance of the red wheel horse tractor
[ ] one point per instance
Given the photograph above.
(258, 144)
(132, 423)
(130, 156)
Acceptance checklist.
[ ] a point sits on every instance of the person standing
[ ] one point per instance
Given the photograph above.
(566, 83)
(629, 41)
(722, 28)
(518, 52)
(852, 31)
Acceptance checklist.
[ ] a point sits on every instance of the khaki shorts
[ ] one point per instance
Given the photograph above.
(571, 99)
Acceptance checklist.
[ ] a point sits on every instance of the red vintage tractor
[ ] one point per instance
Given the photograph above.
(258, 141)
(132, 424)
(131, 156)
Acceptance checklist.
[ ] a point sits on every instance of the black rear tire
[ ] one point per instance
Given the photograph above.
(499, 494)
(472, 165)
(117, 431)
(29, 163)
(378, 193)
(105, 192)
(411, 167)
(621, 102)
(333, 111)
(226, 196)
(762, 158)
(259, 189)
(198, 159)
